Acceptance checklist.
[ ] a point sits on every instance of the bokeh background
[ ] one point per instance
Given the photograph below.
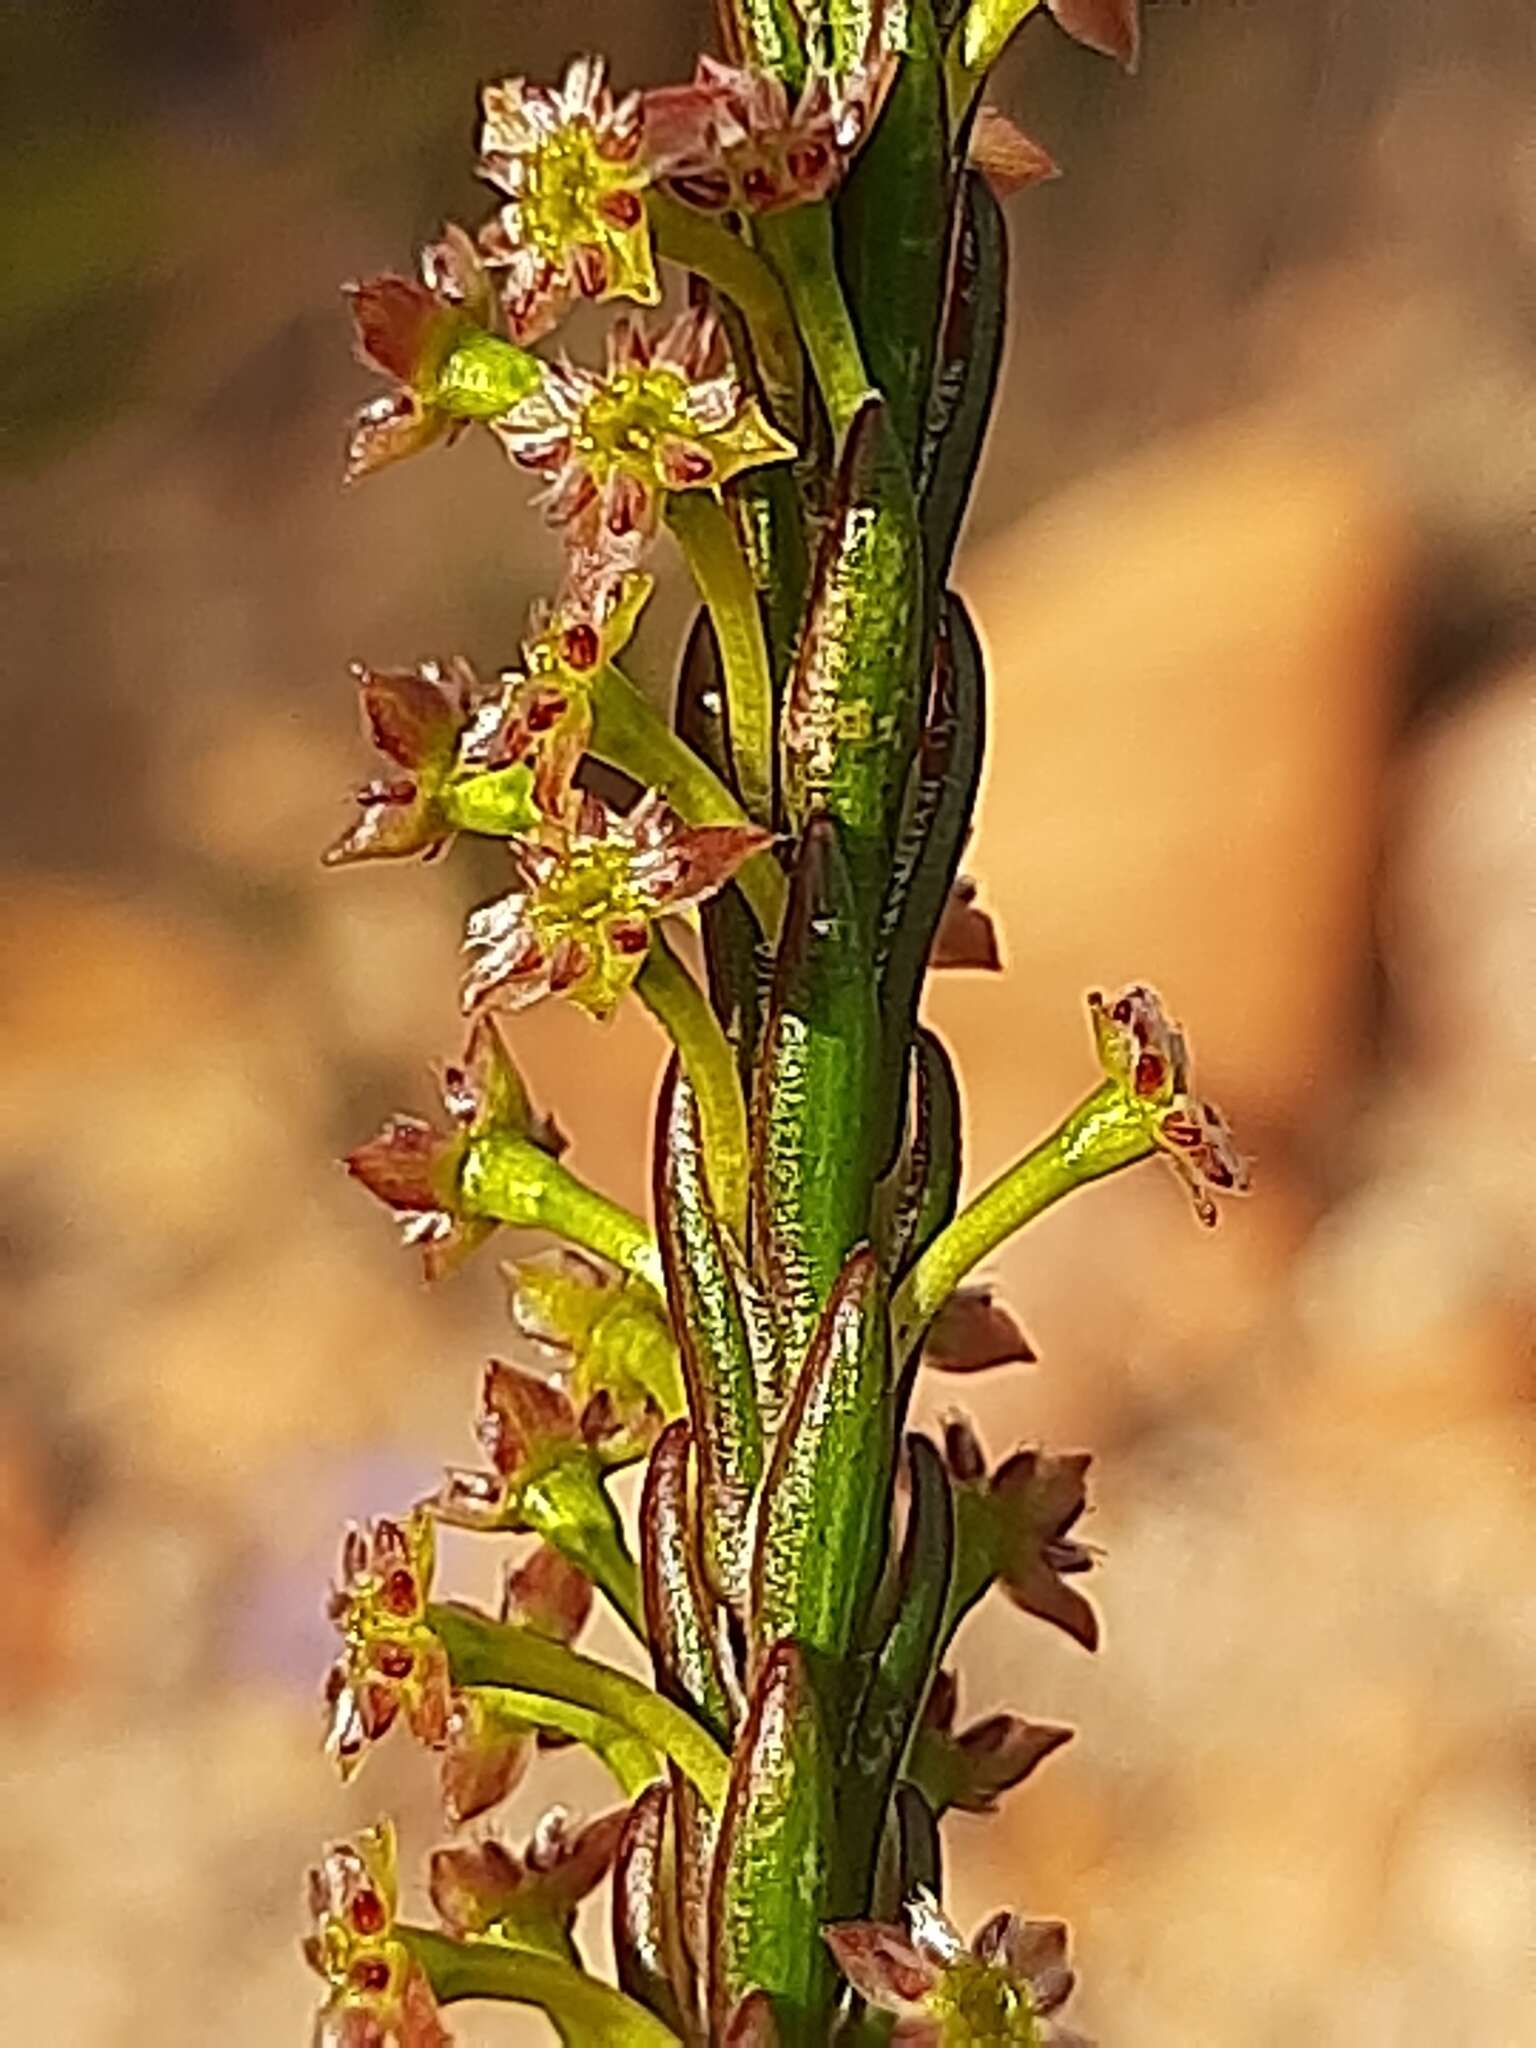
(1255, 556)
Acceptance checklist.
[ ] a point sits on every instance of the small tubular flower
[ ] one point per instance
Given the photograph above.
(379, 1996)
(731, 139)
(391, 1662)
(414, 1166)
(579, 922)
(406, 329)
(667, 414)
(484, 1891)
(571, 162)
(1001, 1992)
(1145, 1054)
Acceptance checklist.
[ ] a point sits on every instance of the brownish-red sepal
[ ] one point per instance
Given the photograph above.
(1006, 157)
(482, 1885)
(414, 717)
(548, 1593)
(398, 323)
(973, 1332)
(687, 1651)
(1037, 1498)
(752, 2024)
(970, 1770)
(966, 936)
(1112, 27)
(408, 1164)
(645, 1937)
(525, 1425)
(485, 1757)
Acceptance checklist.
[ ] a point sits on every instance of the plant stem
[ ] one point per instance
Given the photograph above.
(1101, 1135)
(799, 244)
(512, 1180)
(708, 539)
(705, 246)
(485, 1652)
(582, 2008)
(632, 1762)
(568, 1505)
(679, 1005)
(628, 733)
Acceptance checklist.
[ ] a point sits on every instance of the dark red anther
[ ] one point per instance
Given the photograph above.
(1151, 1072)
(1123, 1011)
(691, 466)
(369, 1973)
(807, 164)
(400, 1591)
(581, 646)
(546, 712)
(1178, 1130)
(629, 938)
(622, 208)
(394, 1660)
(367, 1913)
(759, 186)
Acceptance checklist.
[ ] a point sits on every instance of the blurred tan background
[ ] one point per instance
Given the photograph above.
(1255, 555)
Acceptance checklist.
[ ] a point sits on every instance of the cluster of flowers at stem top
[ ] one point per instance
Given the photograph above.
(760, 1396)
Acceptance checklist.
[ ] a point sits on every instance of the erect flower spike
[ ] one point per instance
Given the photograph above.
(483, 1890)
(411, 330)
(414, 1166)
(668, 414)
(391, 1662)
(379, 1995)
(1001, 1992)
(580, 922)
(570, 160)
(1145, 1053)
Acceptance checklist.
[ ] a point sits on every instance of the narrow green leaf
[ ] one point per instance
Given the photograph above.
(644, 1936)
(769, 1898)
(892, 229)
(965, 379)
(718, 1364)
(937, 818)
(681, 1620)
(928, 1184)
(850, 722)
(813, 1136)
(826, 1502)
(903, 1671)
(767, 36)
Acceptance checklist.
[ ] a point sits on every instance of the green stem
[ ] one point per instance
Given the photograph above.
(632, 1762)
(678, 1004)
(1101, 1135)
(799, 245)
(582, 2008)
(708, 539)
(512, 1180)
(485, 1652)
(568, 1505)
(702, 244)
(628, 733)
